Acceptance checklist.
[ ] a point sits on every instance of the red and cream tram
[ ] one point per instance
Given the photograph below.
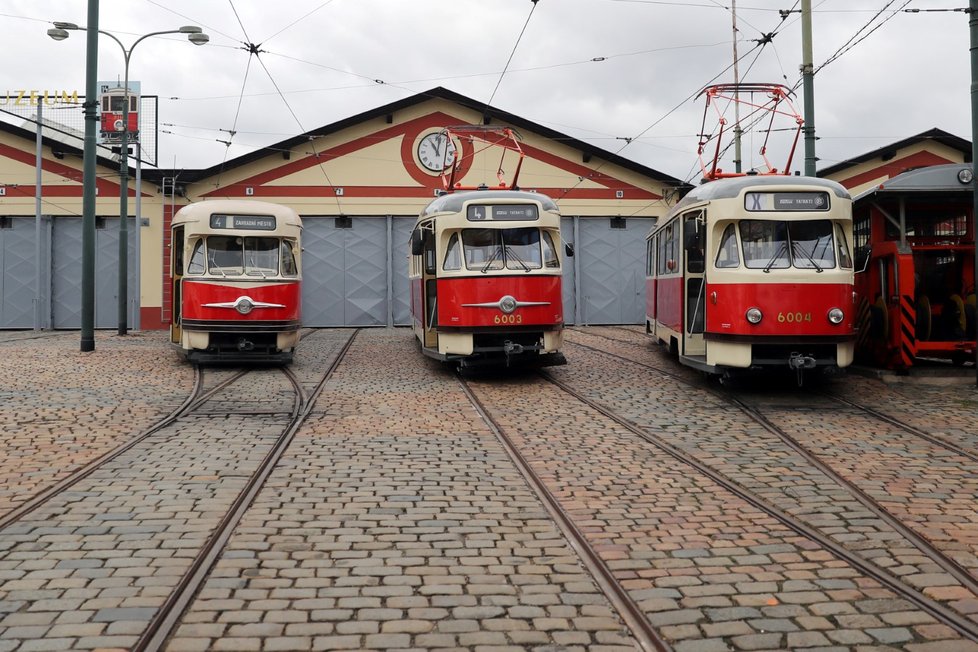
(755, 272)
(485, 272)
(915, 246)
(235, 269)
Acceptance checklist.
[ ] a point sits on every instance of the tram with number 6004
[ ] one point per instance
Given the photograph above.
(236, 276)
(755, 272)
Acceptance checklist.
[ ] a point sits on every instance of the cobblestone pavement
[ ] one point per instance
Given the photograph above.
(396, 520)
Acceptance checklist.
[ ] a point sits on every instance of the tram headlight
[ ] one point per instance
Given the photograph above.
(507, 304)
(244, 306)
(836, 315)
(754, 315)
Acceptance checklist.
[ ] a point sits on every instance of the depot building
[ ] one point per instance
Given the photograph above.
(358, 185)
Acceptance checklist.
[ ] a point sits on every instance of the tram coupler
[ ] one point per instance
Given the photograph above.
(799, 361)
(512, 348)
(245, 344)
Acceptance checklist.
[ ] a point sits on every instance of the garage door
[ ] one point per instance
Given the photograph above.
(355, 271)
(18, 272)
(67, 272)
(610, 266)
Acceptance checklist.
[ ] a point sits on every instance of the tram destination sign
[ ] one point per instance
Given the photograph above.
(786, 201)
(504, 212)
(245, 222)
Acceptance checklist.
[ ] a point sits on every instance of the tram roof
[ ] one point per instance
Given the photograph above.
(935, 178)
(732, 187)
(454, 201)
(202, 210)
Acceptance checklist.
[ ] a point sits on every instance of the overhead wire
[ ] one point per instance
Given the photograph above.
(511, 54)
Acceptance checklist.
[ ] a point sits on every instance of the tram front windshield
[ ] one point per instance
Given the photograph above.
(243, 256)
(771, 244)
(518, 249)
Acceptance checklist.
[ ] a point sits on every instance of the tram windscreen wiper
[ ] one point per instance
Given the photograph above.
(782, 248)
(794, 251)
(492, 259)
(511, 255)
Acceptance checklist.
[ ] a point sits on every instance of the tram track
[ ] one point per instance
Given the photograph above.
(645, 633)
(168, 616)
(226, 404)
(955, 569)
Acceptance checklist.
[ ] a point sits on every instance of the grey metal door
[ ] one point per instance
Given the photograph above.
(67, 272)
(401, 285)
(18, 272)
(344, 275)
(568, 282)
(611, 264)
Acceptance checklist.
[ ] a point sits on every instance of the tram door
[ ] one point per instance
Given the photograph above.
(694, 300)
(176, 273)
(429, 282)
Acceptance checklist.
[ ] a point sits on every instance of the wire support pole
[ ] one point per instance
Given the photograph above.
(973, 30)
(808, 83)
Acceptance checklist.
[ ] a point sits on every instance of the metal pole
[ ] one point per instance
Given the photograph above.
(37, 217)
(88, 183)
(736, 68)
(808, 77)
(124, 204)
(973, 29)
(136, 317)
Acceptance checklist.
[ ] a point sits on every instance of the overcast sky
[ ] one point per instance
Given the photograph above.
(320, 61)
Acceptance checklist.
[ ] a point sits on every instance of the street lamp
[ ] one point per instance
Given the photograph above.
(195, 35)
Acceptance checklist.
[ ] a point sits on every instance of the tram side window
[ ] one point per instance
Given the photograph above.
(728, 256)
(550, 258)
(453, 257)
(667, 250)
(289, 265)
(196, 264)
(842, 247)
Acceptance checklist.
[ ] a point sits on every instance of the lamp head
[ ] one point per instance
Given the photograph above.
(190, 29)
(59, 24)
(198, 38)
(57, 34)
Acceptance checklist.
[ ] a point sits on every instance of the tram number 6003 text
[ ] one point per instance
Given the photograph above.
(794, 317)
(508, 319)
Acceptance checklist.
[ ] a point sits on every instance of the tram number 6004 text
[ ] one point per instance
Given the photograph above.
(508, 319)
(794, 317)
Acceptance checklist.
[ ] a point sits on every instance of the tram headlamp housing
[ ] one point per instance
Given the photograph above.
(244, 306)
(507, 304)
(836, 315)
(754, 315)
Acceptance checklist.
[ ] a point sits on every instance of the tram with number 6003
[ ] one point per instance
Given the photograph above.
(236, 276)
(755, 272)
(485, 274)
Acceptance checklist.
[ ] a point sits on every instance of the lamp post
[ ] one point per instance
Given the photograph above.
(196, 36)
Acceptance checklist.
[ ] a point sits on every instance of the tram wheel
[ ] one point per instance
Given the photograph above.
(922, 326)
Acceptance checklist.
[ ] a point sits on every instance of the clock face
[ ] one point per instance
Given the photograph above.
(436, 152)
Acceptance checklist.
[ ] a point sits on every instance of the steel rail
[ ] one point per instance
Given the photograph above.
(645, 633)
(168, 616)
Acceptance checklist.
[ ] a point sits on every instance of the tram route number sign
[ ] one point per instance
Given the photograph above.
(786, 201)
(505, 212)
(246, 222)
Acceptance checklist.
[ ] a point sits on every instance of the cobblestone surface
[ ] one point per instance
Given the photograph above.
(60, 408)
(397, 521)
